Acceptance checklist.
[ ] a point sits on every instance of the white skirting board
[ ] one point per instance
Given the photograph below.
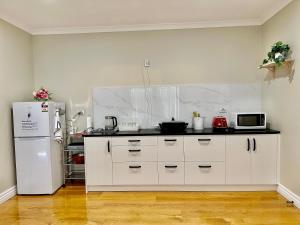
(186, 188)
(288, 194)
(7, 194)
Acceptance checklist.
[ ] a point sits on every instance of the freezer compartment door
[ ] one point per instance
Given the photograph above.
(33, 165)
(31, 119)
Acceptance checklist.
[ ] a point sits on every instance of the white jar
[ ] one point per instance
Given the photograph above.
(198, 123)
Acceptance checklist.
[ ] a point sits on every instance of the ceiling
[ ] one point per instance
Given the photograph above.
(84, 16)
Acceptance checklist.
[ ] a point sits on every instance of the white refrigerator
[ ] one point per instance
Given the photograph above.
(38, 152)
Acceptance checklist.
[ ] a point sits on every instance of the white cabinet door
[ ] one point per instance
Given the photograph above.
(98, 161)
(251, 159)
(238, 159)
(264, 159)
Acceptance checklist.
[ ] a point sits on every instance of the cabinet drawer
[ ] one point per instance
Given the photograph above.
(134, 153)
(204, 148)
(171, 172)
(170, 148)
(134, 141)
(204, 173)
(135, 173)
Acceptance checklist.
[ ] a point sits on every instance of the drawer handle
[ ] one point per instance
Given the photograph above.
(248, 145)
(135, 167)
(205, 167)
(134, 141)
(170, 140)
(134, 150)
(254, 144)
(170, 166)
(108, 146)
(204, 140)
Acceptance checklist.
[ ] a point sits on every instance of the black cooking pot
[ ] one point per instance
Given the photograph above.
(173, 126)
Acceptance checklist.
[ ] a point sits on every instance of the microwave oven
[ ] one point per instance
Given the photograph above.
(252, 120)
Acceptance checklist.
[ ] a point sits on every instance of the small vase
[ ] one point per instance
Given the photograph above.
(198, 123)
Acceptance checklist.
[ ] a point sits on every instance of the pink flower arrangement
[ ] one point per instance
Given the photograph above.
(41, 95)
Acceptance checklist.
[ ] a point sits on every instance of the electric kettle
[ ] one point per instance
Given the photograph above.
(111, 123)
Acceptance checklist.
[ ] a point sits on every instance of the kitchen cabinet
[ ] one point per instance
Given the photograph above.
(251, 159)
(134, 160)
(98, 161)
(264, 159)
(171, 160)
(182, 162)
(204, 160)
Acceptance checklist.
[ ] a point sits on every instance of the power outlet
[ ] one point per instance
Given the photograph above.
(146, 63)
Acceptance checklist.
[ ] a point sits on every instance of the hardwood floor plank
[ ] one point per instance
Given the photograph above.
(71, 206)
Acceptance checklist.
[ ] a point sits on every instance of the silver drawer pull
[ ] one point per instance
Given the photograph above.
(171, 166)
(204, 167)
(204, 140)
(135, 167)
(134, 150)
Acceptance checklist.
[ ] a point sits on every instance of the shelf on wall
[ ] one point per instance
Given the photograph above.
(273, 66)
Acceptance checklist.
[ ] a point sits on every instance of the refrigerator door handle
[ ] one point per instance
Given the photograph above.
(31, 138)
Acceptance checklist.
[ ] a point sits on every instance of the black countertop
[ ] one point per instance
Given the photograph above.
(189, 131)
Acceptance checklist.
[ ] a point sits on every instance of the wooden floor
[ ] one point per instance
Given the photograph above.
(72, 206)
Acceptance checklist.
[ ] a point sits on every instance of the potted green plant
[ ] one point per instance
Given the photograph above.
(278, 54)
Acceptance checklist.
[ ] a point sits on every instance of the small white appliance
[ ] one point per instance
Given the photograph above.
(250, 120)
(38, 129)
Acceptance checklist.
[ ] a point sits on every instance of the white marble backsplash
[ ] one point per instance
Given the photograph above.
(152, 105)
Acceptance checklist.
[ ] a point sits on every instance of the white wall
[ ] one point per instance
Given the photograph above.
(71, 65)
(281, 97)
(16, 83)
